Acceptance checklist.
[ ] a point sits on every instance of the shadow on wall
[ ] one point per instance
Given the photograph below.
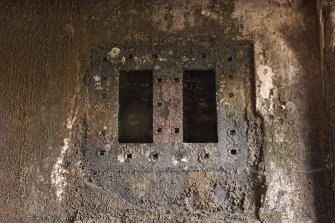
(314, 129)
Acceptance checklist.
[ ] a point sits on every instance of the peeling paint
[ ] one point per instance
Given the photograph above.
(58, 178)
(280, 194)
(97, 80)
(58, 174)
(265, 75)
(120, 158)
(114, 53)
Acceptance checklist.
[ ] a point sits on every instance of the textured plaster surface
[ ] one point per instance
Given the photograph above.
(45, 48)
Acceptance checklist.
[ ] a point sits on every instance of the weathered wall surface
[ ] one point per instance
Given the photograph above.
(45, 49)
(327, 15)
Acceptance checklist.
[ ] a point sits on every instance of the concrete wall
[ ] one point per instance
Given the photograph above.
(45, 49)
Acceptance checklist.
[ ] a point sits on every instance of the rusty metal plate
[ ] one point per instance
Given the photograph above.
(233, 73)
(157, 145)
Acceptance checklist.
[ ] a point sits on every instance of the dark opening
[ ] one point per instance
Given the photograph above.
(233, 152)
(102, 133)
(232, 132)
(129, 156)
(101, 152)
(136, 110)
(199, 106)
(155, 156)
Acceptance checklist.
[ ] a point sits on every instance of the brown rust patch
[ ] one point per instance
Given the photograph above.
(200, 182)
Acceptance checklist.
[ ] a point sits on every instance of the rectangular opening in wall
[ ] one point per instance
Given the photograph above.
(136, 110)
(199, 106)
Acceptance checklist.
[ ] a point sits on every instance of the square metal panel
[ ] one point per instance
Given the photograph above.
(232, 65)
(109, 162)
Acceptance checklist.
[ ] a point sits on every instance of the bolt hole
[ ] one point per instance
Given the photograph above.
(102, 152)
(233, 152)
(176, 79)
(159, 80)
(129, 156)
(130, 56)
(155, 55)
(230, 59)
(176, 130)
(159, 130)
(232, 132)
(102, 133)
(206, 156)
(231, 95)
(159, 104)
(155, 156)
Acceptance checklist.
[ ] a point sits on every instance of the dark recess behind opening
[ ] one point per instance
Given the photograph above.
(135, 111)
(199, 106)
